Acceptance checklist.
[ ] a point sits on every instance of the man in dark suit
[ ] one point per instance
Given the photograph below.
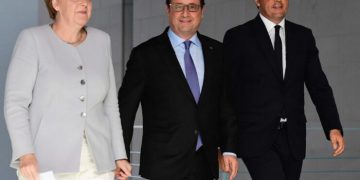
(269, 60)
(178, 79)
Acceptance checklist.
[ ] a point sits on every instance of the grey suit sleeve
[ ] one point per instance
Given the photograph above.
(112, 112)
(20, 81)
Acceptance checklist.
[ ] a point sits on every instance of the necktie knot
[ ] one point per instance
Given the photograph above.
(277, 28)
(187, 44)
(277, 42)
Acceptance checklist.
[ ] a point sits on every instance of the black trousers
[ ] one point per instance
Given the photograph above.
(276, 164)
(200, 169)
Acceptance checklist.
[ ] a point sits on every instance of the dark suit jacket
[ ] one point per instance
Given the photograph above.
(260, 94)
(171, 117)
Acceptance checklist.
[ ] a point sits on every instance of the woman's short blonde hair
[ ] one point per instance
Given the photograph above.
(50, 8)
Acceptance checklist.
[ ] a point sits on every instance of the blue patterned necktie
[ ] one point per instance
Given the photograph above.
(192, 79)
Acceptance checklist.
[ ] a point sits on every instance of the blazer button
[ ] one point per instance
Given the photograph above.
(80, 68)
(196, 132)
(82, 82)
(82, 98)
(83, 114)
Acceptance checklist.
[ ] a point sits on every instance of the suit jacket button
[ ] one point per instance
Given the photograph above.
(83, 114)
(82, 98)
(196, 132)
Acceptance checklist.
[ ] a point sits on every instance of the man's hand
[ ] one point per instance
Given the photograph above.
(228, 164)
(123, 169)
(337, 141)
(231, 166)
(29, 167)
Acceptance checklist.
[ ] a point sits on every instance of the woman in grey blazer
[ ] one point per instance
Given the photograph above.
(61, 108)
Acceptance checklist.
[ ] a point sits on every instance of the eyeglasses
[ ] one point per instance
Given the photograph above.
(181, 7)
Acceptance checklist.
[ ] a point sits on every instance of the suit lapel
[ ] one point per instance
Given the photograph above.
(264, 41)
(290, 50)
(208, 66)
(167, 52)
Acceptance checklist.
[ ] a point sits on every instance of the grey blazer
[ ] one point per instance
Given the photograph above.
(55, 93)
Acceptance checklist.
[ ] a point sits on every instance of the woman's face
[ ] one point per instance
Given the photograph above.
(73, 12)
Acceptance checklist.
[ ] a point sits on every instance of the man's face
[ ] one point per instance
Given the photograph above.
(185, 20)
(274, 10)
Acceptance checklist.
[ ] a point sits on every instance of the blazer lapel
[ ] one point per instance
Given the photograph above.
(290, 50)
(167, 52)
(264, 41)
(208, 66)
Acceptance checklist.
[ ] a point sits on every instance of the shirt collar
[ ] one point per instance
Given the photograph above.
(269, 24)
(177, 41)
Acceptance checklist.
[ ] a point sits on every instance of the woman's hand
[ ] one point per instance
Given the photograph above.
(123, 169)
(29, 167)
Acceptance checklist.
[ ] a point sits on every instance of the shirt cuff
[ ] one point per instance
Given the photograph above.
(229, 154)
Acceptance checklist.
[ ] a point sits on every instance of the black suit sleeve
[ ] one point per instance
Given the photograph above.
(228, 123)
(229, 67)
(130, 95)
(319, 89)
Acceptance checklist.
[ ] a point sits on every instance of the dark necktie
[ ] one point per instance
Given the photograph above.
(278, 59)
(278, 48)
(192, 79)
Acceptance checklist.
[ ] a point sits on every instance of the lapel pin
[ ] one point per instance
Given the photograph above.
(210, 47)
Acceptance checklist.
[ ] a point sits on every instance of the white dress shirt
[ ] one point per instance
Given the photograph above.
(195, 51)
(271, 30)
